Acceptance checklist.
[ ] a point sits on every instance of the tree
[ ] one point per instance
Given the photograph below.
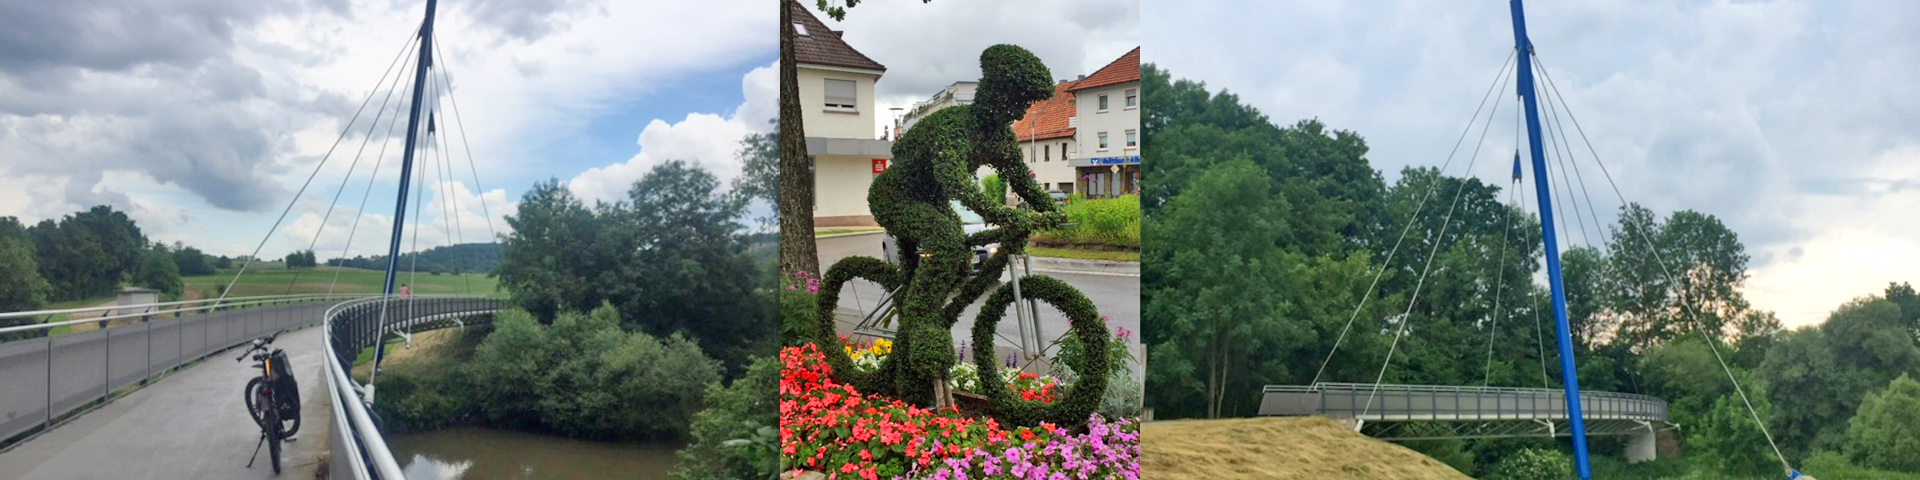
(798, 253)
(223, 262)
(723, 446)
(760, 178)
(1728, 436)
(1902, 294)
(21, 288)
(87, 254)
(301, 259)
(1885, 434)
(1532, 464)
(157, 271)
(191, 260)
(548, 262)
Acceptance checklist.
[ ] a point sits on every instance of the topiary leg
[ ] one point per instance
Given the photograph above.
(924, 346)
(1077, 401)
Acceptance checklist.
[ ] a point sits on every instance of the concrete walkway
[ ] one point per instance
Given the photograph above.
(192, 424)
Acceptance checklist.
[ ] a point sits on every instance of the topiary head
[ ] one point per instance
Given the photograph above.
(1011, 78)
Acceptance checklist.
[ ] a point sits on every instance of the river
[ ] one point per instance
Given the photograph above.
(473, 453)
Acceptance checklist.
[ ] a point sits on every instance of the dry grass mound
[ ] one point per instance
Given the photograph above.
(1277, 447)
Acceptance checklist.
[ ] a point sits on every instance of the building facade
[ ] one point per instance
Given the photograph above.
(959, 93)
(1106, 161)
(836, 85)
(1046, 135)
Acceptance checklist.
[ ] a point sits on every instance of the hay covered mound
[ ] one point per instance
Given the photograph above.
(1277, 447)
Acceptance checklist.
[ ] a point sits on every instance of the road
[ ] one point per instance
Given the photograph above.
(1117, 297)
(192, 424)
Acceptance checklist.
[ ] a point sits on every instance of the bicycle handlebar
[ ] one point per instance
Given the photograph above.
(259, 345)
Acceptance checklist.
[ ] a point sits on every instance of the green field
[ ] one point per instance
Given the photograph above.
(273, 278)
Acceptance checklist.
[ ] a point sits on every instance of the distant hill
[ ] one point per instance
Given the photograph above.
(462, 258)
(1277, 447)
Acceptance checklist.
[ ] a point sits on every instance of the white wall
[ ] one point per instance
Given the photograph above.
(1050, 172)
(1115, 121)
(823, 123)
(841, 184)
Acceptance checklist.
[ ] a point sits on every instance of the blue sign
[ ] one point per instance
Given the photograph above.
(1133, 160)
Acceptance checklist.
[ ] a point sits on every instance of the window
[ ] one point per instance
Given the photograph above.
(1048, 151)
(841, 94)
(800, 30)
(1103, 140)
(1063, 151)
(1103, 102)
(1133, 98)
(1133, 139)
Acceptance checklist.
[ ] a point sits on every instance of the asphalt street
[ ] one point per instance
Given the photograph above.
(1116, 296)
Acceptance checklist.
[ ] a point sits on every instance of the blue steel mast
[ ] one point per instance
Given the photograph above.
(1568, 379)
(406, 163)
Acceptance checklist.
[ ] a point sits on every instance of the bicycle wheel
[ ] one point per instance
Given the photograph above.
(289, 410)
(272, 430)
(255, 407)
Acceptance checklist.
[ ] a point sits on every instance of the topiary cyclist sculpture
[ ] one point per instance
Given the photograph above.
(933, 165)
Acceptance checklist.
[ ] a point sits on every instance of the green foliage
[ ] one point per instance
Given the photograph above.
(933, 166)
(1886, 432)
(462, 258)
(1819, 375)
(759, 178)
(191, 261)
(21, 288)
(1076, 400)
(993, 187)
(301, 259)
(1729, 440)
(1108, 221)
(157, 271)
(87, 254)
(1533, 464)
(582, 376)
(672, 259)
(725, 435)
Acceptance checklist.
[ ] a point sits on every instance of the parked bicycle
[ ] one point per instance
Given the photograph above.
(273, 398)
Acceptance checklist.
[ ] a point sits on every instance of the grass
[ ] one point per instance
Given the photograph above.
(1084, 254)
(823, 233)
(1277, 447)
(273, 278)
(433, 352)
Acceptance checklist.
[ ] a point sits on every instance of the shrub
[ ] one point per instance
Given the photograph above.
(1886, 432)
(1111, 221)
(724, 435)
(1533, 464)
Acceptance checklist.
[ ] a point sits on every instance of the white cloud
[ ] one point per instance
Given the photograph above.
(707, 140)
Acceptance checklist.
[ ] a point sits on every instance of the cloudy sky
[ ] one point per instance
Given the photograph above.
(202, 118)
(1794, 122)
(927, 46)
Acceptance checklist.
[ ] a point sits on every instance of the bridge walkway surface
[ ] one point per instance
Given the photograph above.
(192, 424)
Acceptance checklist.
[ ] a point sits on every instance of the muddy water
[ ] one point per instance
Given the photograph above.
(470, 453)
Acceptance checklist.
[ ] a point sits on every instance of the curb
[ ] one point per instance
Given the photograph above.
(1086, 267)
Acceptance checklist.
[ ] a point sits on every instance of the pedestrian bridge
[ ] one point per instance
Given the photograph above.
(1427, 412)
(123, 391)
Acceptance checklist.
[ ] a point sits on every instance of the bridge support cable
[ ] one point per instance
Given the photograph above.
(1556, 127)
(303, 186)
(1500, 280)
(393, 124)
(1386, 264)
(453, 103)
(358, 153)
(1667, 271)
(450, 200)
(1406, 317)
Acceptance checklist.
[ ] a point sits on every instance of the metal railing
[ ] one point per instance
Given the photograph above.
(1449, 403)
(47, 378)
(360, 452)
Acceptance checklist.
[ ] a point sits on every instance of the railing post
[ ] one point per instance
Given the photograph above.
(49, 424)
(106, 370)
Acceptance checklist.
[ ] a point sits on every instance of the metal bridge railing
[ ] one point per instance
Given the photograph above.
(1449, 403)
(45, 378)
(360, 452)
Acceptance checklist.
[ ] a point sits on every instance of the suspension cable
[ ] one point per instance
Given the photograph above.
(1668, 272)
(1499, 282)
(393, 123)
(1406, 317)
(297, 194)
(454, 102)
(1560, 129)
(1387, 264)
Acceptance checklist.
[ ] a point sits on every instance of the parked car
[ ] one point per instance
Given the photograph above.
(970, 223)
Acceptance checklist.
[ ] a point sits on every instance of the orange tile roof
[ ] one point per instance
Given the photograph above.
(1122, 70)
(1048, 118)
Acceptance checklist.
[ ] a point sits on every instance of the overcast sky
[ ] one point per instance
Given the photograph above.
(927, 46)
(1794, 122)
(201, 118)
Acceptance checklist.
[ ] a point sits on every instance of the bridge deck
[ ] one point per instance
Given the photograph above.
(190, 425)
(1379, 403)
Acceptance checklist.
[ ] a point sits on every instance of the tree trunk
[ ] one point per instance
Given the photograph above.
(797, 250)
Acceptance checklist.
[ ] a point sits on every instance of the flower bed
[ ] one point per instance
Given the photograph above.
(832, 428)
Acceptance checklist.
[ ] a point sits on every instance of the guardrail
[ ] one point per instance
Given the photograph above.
(359, 450)
(1369, 402)
(47, 378)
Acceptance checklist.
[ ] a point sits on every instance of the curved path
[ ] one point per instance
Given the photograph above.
(192, 424)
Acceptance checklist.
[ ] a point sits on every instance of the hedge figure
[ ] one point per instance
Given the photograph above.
(933, 166)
